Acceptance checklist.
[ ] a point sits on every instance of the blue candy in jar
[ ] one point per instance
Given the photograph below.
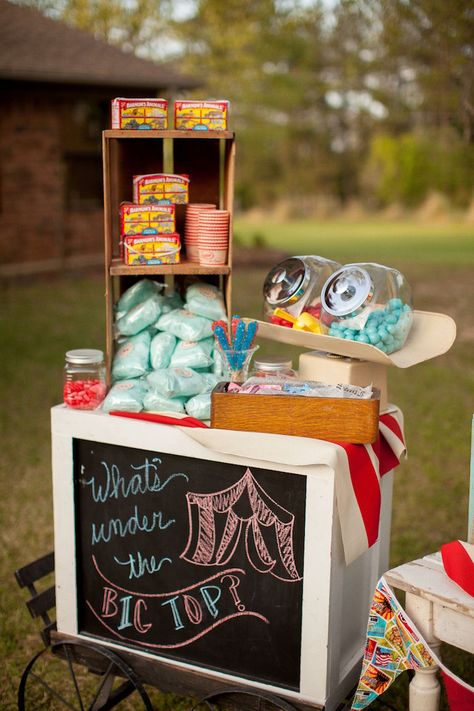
(368, 303)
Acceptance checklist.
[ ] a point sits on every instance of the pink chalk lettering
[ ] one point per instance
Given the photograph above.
(193, 609)
(137, 617)
(111, 609)
(234, 584)
(183, 643)
(109, 606)
(172, 619)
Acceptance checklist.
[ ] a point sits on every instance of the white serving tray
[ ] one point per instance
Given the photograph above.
(431, 335)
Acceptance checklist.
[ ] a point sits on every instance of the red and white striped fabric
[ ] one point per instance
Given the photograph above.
(458, 561)
(359, 469)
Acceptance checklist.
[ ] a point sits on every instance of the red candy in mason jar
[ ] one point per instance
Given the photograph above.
(84, 379)
(84, 394)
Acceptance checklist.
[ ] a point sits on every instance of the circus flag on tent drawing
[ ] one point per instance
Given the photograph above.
(219, 520)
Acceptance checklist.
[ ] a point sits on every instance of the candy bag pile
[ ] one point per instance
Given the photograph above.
(165, 358)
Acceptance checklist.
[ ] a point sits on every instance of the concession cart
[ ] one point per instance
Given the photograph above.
(211, 562)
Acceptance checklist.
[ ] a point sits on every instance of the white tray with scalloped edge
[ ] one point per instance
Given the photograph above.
(431, 335)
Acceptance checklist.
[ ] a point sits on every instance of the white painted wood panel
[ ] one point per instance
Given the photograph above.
(336, 598)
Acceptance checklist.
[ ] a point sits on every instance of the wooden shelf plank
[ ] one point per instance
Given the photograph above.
(118, 268)
(168, 133)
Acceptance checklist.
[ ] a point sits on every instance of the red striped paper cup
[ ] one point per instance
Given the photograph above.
(210, 257)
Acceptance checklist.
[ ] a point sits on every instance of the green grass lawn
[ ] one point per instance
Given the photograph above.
(368, 240)
(40, 322)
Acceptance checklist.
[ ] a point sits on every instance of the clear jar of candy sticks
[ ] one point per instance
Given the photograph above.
(84, 379)
(368, 303)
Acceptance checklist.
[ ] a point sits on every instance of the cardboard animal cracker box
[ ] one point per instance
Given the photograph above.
(140, 114)
(161, 188)
(151, 250)
(147, 219)
(201, 115)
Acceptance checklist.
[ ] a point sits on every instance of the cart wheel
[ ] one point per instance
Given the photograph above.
(80, 677)
(260, 696)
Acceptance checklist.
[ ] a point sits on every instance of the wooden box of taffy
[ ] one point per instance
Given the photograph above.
(339, 419)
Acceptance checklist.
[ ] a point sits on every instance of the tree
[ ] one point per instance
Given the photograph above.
(312, 87)
(268, 58)
(430, 45)
(134, 25)
(414, 60)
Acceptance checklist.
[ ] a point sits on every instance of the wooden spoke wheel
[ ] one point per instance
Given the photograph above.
(80, 677)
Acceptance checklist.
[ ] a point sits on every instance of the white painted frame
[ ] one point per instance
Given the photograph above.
(336, 598)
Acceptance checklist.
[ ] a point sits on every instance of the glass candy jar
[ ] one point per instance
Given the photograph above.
(84, 379)
(294, 286)
(235, 364)
(369, 303)
(273, 366)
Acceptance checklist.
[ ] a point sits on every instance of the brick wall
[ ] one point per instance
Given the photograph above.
(84, 232)
(37, 233)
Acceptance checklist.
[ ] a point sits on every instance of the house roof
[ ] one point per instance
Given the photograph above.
(36, 48)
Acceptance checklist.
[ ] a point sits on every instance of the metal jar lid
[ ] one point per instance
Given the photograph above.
(286, 282)
(272, 363)
(85, 356)
(347, 290)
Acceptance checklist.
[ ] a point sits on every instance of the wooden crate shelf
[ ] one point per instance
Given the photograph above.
(118, 268)
(207, 157)
(168, 133)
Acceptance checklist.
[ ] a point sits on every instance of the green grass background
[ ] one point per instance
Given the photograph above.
(40, 321)
(444, 242)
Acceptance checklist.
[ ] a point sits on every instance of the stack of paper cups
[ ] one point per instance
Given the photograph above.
(191, 228)
(213, 237)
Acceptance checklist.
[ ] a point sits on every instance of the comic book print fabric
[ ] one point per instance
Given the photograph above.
(393, 646)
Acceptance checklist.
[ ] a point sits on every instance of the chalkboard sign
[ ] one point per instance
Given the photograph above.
(189, 559)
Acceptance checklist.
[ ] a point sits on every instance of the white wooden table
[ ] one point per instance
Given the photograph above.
(442, 611)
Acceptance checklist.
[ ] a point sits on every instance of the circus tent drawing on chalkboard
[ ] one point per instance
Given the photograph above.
(218, 521)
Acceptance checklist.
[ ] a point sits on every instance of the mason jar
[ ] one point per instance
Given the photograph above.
(84, 379)
(271, 366)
